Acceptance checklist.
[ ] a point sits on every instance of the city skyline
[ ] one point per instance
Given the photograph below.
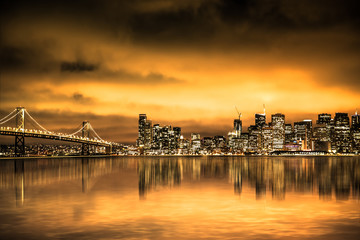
(191, 60)
(221, 129)
(340, 134)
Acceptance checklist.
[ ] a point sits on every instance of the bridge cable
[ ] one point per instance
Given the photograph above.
(77, 131)
(8, 115)
(96, 133)
(36, 121)
(9, 118)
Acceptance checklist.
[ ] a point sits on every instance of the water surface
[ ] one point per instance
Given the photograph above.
(180, 198)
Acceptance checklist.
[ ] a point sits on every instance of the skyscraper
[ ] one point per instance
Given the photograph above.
(302, 131)
(260, 119)
(141, 132)
(195, 143)
(324, 118)
(289, 133)
(156, 133)
(147, 134)
(177, 135)
(278, 125)
(341, 141)
(237, 127)
(254, 140)
(267, 138)
(355, 132)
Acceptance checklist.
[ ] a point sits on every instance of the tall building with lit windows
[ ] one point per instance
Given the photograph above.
(141, 132)
(303, 133)
(289, 133)
(237, 127)
(278, 126)
(147, 134)
(324, 118)
(322, 133)
(341, 139)
(177, 135)
(156, 134)
(355, 132)
(267, 138)
(195, 144)
(254, 139)
(260, 119)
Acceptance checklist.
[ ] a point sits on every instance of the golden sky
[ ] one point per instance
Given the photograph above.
(184, 63)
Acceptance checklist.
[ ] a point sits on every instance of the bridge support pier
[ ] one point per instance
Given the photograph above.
(19, 146)
(108, 149)
(85, 149)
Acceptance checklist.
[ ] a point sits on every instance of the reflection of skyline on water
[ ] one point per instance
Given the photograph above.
(326, 176)
(329, 177)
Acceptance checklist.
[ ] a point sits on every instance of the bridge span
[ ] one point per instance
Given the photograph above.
(81, 136)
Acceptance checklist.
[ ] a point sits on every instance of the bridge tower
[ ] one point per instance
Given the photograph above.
(20, 129)
(85, 148)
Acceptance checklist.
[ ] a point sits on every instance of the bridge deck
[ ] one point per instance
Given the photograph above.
(59, 137)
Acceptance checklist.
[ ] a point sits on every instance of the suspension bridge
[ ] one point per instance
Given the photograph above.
(86, 135)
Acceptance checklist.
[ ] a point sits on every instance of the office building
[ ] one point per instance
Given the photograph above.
(145, 132)
(289, 133)
(302, 133)
(254, 140)
(278, 127)
(355, 132)
(267, 134)
(341, 139)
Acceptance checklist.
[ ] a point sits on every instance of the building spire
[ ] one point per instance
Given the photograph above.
(264, 108)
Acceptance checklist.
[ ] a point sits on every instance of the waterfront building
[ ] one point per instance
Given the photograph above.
(254, 139)
(144, 132)
(177, 135)
(206, 144)
(267, 134)
(237, 127)
(156, 137)
(289, 133)
(278, 127)
(244, 142)
(220, 143)
(321, 138)
(324, 118)
(148, 134)
(195, 143)
(355, 132)
(260, 119)
(303, 133)
(165, 139)
(341, 140)
(233, 140)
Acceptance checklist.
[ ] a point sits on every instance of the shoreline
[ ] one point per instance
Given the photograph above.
(161, 156)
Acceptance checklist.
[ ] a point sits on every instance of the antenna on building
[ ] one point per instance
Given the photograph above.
(239, 113)
(356, 112)
(264, 108)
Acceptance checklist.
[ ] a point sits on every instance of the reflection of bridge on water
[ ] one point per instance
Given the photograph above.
(86, 135)
(21, 174)
(326, 176)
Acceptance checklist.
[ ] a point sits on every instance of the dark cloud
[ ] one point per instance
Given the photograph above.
(77, 67)
(80, 98)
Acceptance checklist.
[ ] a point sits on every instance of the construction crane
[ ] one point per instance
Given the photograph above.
(239, 113)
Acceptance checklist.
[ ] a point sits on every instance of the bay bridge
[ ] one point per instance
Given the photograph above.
(85, 135)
